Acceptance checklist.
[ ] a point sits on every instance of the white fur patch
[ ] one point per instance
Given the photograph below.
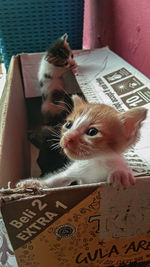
(82, 120)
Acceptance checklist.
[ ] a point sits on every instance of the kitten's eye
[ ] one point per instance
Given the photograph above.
(68, 124)
(72, 56)
(92, 131)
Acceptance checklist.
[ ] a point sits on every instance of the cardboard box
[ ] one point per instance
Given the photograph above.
(89, 225)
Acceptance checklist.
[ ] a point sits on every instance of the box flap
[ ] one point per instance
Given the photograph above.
(104, 77)
(81, 225)
(30, 65)
(14, 152)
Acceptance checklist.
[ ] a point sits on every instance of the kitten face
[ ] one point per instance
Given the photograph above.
(60, 54)
(91, 130)
(96, 130)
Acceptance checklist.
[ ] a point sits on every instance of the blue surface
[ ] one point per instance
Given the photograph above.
(32, 25)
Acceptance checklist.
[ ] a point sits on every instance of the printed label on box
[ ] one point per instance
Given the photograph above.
(127, 85)
(74, 238)
(117, 75)
(140, 98)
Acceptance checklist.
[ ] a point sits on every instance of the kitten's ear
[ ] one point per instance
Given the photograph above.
(64, 37)
(132, 120)
(77, 101)
(51, 59)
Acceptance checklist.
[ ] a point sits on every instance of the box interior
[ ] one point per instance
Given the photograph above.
(21, 102)
(14, 147)
(93, 211)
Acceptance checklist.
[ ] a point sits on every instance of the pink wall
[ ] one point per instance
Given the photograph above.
(123, 25)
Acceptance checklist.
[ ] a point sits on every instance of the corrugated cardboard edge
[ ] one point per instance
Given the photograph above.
(10, 194)
(4, 101)
(14, 147)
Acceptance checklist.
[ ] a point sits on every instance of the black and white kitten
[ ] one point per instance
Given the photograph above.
(57, 60)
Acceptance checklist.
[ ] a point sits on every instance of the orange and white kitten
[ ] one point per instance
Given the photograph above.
(94, 137)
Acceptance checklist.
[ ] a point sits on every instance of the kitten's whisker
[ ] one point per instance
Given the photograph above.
(65, 156)
(57, 138)
(62, 108)
(54, 147)
(59, 125)
(54, 140)
(51, 130)
(54, 133)
(53, 136)
(69, 107)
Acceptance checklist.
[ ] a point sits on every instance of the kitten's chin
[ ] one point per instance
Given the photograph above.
(71, 155)
(76, 156)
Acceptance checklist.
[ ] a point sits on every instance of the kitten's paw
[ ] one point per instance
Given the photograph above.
(74, 69)
(121, 178)
(31, 183)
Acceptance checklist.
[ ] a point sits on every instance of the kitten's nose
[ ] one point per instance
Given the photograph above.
(69, 142)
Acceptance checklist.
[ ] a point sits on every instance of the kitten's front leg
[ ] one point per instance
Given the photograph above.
(74, 69)
(65, 177)
(60, 179)
(31, 183)
(49, 182)
(120, 176)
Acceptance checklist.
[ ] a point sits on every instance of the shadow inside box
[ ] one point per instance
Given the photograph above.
(43, 132)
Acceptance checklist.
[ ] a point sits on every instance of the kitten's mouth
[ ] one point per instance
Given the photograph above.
(72, 154)
(73, 150)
